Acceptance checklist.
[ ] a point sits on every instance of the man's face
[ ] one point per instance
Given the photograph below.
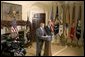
(42, 25)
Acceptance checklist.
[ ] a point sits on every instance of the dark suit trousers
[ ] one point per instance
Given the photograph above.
(39, 47)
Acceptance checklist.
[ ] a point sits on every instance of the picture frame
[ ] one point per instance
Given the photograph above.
(9, 11)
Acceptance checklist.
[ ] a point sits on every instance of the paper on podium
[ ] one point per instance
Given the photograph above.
(46, 36)
(49, 38)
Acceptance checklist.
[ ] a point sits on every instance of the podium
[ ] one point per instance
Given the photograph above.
(47, 50)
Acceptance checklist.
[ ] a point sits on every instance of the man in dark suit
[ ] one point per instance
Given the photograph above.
(40, 33)
(48, 29)
(47, 50)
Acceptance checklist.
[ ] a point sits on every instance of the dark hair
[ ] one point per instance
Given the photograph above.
(41, 24)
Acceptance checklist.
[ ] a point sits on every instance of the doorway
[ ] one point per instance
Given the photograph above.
(36, 20)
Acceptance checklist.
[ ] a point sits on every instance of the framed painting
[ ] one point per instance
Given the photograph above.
(9, 11)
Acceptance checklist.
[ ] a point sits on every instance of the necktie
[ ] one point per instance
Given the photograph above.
(42, 31)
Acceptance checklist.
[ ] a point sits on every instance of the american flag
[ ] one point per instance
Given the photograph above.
(14, 26)
(51, 20)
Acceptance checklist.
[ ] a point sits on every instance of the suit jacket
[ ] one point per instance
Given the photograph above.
(39, 40)
(48, 30)
(39, 34)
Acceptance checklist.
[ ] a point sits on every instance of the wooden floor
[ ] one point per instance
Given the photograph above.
(58, 50)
